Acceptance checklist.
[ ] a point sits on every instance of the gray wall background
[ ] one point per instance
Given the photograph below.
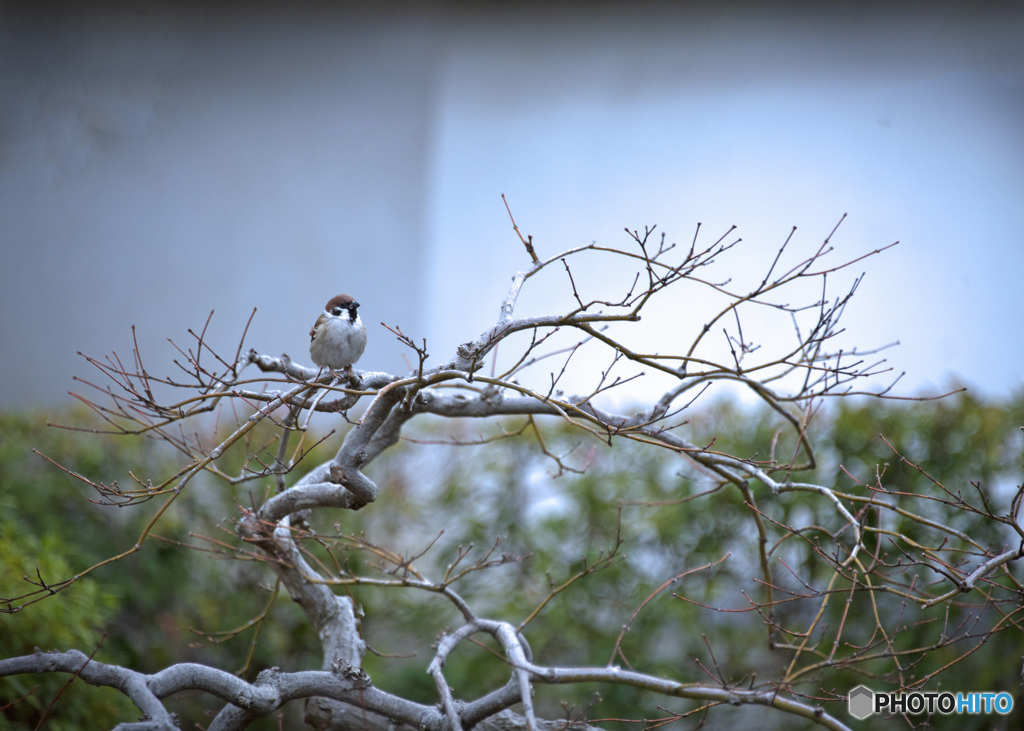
(161, 161)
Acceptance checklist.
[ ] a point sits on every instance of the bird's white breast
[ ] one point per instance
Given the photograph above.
(339, 343)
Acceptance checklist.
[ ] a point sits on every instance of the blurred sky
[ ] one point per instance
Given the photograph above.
(159, 161)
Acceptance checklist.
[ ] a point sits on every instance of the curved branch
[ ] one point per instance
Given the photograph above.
(271, 690)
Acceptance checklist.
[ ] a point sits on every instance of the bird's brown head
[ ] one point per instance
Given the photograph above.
(341, 301)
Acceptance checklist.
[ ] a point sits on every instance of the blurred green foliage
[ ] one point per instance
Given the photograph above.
(138, 612)
(550, 524)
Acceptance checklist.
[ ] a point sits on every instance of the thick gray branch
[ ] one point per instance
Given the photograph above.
(132, 684)
(333, 616)
(271, 690)
(732, 696)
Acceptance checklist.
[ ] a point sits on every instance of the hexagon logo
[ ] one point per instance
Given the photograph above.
(861, 702)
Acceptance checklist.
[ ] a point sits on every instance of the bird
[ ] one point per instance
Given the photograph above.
(338, 337)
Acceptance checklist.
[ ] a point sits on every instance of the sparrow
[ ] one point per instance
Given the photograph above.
(338, 337)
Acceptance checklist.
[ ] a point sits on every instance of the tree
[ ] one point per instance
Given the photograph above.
(856, 578)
